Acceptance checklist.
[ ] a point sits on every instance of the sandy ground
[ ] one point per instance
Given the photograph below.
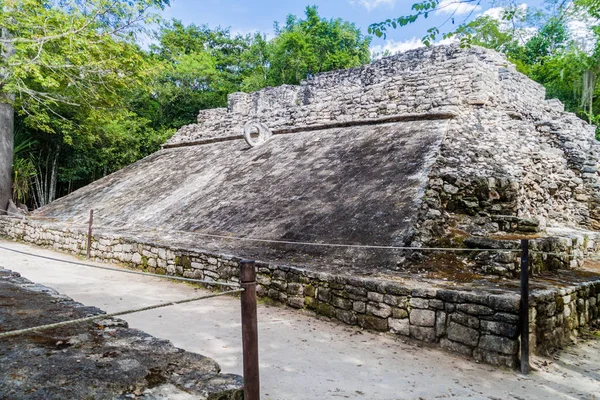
(303, 357)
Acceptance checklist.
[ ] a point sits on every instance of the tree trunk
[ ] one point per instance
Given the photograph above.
(7, 123)
(7, 116)
(53, 176)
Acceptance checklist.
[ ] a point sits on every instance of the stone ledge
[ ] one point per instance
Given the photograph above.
(329, 125)
(479, 324)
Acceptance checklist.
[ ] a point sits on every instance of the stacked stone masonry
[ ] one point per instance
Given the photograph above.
(477, 324)
(509, 152)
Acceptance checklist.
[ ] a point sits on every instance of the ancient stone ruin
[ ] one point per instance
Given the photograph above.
(435, 147)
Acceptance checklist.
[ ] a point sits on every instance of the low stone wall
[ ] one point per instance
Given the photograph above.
(479, 324)
(556, 316)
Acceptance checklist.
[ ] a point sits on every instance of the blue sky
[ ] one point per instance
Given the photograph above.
(251, 16)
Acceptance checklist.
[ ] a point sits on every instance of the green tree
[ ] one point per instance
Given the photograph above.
(66, 53)
(549, 55)
(304, 47)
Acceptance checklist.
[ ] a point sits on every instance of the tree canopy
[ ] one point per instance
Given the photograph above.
(89, 100)
(540, 41)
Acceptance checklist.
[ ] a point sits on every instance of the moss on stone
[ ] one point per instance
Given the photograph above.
(560, 304)
(310, 290)
(310, 302)
(324, 309)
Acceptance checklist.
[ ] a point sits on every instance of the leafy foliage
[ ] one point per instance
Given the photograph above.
(542, 48)
(304, 47)
(91, 101)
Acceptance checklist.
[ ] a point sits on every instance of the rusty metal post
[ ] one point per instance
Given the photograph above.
(249, 331)
(525, 306)
(89, 242)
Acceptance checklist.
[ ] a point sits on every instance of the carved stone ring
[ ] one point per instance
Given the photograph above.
(256, 133)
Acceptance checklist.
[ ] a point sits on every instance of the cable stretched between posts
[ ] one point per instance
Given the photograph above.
(29, 217)
(275, 241)
(10, 213)
(126, 271)
(110, 315)
(341, 245)
(452, 249)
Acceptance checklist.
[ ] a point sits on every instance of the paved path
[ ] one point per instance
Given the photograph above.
(303, 357)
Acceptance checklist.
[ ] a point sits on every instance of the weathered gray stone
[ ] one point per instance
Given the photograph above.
(417, 302)
(464, 319)
(399, 313)
(440, 323)
(462, 334)
(296, 301)
(101, 359)
(422, 317)
(425, 334)
(359, 306)
(372, 322)
(504, 317)
(347, 317)
(494, 358)
(400, 326)
(323, 294)
(499, 344)
(375, 296)
(342, 303)
(474, 309)
(500, 328)
(504, 303)
(437, 304)
(395, 300)
(381, 310)
(429, 293)
(456, 347)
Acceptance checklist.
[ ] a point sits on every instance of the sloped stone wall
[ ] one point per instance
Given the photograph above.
(508, 152)
(478, 324)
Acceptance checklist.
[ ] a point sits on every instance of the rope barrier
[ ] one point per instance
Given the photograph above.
(275, 241)
(9, 213)
(110, 315)
(29, 217)
(177, 278)
(339, 245)
(413, 248)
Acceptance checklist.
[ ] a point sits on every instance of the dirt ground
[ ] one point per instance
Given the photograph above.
(303, 357)
(101, 359)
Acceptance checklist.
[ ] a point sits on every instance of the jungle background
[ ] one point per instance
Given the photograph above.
(92, 94)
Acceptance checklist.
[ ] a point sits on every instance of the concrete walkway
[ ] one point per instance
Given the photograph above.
(303, 357)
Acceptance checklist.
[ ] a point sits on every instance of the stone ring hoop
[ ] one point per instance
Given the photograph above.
(256, 133)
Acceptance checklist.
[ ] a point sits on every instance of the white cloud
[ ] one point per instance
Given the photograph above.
(580, 31)
(372, 4)
(394, 47)
(457, 7)
(494, 13)
(521, 32)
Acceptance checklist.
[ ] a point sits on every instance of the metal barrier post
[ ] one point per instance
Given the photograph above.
(249, 331)
(524, 306)
(89, 242)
